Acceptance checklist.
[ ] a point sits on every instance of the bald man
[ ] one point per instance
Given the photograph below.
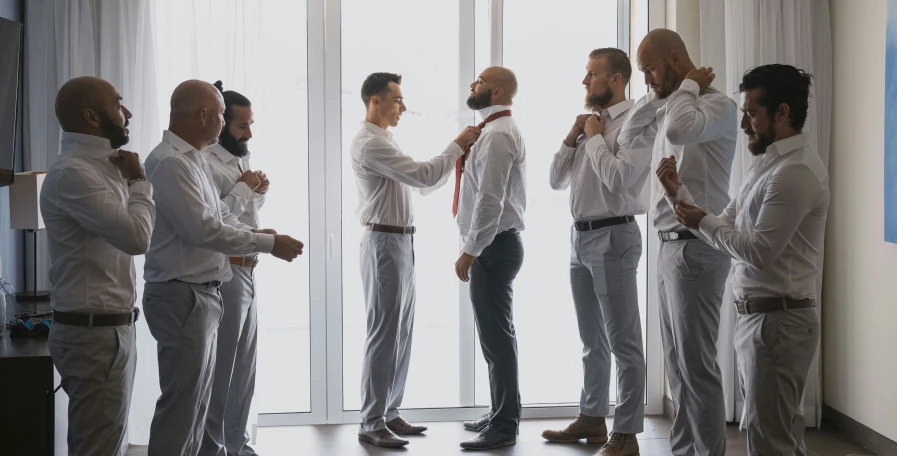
(99, 212)
(186, 264)
(688, 119)
(491, 191)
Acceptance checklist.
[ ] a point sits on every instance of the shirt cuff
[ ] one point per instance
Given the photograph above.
(265, 242)
(472, 248)
(690, 85)
(593, 145)
(455, 149)
(709, 224)
(565, 152)
(141, 187)
(242, 190)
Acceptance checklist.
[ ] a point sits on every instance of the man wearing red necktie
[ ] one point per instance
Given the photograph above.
(490, 198)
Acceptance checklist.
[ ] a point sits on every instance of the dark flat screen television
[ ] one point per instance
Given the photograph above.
(10, 60)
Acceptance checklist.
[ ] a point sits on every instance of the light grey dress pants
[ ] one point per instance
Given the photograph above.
(183, 318)
(603, 266)
(235, 368)
(387, 275)
(774, 352)
(97, 368)
(691, 281)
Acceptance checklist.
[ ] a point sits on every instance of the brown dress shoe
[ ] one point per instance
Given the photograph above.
(382, 438)
(594, 430)
(401, 427)
(620, 445)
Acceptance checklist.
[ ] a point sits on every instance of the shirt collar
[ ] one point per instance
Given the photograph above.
(788, 145)
(486, 112)
(376, 129)
(179, 144)
(222, 153)
(78, 142)
(620, 108)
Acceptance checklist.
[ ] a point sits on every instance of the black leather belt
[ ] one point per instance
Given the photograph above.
(390, 229)
(603, 223)
(91, 320)
(771, 305)
(212, 284)
(670, 236)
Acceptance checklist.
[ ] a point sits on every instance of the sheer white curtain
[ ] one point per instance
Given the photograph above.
(737, 35)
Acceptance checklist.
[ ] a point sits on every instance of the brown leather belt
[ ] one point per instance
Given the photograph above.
(91, 320)
(603, 223)
(390, 229)
(243, 261)
(772, 305)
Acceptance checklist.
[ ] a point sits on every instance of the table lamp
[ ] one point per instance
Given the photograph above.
(24, 214)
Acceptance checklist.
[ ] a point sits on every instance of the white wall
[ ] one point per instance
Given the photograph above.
(859, 291)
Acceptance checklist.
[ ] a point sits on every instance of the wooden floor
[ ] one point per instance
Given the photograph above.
(443, 439)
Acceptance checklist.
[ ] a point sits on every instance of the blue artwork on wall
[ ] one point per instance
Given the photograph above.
(890, 167)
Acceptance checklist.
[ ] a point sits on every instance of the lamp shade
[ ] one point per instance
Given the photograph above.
(24, 201)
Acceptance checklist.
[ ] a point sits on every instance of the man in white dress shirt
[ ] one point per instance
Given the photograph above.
(491, 184)
(774, 230)
(243, 191)
(187, 263)
(98, 209)
(697, 125)
(385, 176)
(607, 186)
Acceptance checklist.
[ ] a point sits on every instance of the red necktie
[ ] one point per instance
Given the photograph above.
(459, 163)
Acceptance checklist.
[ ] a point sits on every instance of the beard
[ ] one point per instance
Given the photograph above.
(481, 101)
(237, 147)
(115, 134)
(764, 140)
(595, 102)
(668, 83)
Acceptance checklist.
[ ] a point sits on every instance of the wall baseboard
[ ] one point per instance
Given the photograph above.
(858, 432)
(668, 407)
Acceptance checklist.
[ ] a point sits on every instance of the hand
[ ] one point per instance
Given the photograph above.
(264, 183)
(468, 137)
(594, 126)
(689, 215)
(577, 130)
(462, 266)
(703, 76)
(266, 231)
(251, 179)
(286, 248)
(669, 176)
(128, 164)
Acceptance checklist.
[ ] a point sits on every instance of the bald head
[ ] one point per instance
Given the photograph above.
(495, 86)
(663, 59)
(92, 106)
(197, 110)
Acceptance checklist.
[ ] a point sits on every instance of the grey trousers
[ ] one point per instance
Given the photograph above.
(691, 281)
(97, 368)
(235, 367)
(605, 292)
(387, 275)
(183, 318)
(492, 296)
(774, 353)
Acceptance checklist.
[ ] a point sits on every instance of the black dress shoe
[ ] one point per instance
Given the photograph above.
(489, 439)
(480, 424)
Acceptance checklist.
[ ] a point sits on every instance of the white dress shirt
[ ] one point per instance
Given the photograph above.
(605, 179)
(700, 131)
(493, 185)
(384, 176)
(194, 229)
(95, 223)
(775, 226)
(227, 169)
